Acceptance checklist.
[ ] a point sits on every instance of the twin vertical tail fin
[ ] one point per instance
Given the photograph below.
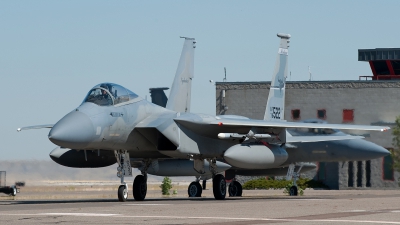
(180, 94)
(276, 99)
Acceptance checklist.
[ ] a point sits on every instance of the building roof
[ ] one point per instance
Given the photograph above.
(329, 84)
(378, 54)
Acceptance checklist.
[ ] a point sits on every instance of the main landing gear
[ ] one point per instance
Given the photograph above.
(235, 189)
(219, 187)
(195, 189)
(293, 191)
(124, 169)
(140, 187)
(219, 183)
(140, 182)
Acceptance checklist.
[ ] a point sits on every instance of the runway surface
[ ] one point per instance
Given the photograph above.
(257, 207)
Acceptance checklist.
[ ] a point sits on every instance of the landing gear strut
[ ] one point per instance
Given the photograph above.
(293, 191)
(124, 169)
(204, 184)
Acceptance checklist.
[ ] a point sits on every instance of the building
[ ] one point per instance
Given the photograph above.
(373, 102)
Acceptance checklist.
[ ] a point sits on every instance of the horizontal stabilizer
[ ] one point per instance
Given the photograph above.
(36, 127)
(292, 139)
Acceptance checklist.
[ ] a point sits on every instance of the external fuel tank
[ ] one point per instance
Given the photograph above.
(255, 156)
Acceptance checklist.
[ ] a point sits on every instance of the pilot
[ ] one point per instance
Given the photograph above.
(104, 93)
(105, 97)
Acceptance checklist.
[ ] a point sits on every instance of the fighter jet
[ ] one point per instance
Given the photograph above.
(115, 120)
(337, 146)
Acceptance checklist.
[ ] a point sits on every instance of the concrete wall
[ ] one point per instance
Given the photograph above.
(373, 102)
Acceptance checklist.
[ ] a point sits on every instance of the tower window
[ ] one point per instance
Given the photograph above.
(348, 115)
(388, 171)
(321, 114)
(296, 114)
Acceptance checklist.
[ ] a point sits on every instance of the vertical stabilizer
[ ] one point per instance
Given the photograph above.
(276, 99)
(180, 94)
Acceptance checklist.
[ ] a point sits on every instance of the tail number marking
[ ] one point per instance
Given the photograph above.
(275, 112)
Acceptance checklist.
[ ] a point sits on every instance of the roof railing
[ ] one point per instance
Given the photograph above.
(380, 77)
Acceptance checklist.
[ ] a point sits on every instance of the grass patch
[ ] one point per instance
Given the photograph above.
(271, 183)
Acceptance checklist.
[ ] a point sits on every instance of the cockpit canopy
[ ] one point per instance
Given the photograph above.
(107, 94)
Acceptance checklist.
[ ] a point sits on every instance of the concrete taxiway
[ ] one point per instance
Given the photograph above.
(256, 207)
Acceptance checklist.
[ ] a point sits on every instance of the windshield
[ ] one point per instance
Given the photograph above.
(107, 94)
(99, 96)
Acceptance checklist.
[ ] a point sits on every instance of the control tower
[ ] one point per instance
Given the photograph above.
(384, 62)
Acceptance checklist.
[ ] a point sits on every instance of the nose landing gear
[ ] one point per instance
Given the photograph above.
(124, 169)
(292, 175)
(123, 193)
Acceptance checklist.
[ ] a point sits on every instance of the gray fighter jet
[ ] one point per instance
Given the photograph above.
(327, 151)
(114, 120)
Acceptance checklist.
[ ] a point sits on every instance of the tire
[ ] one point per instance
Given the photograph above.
(219, 187)
(195, 189)
(293, 191)
(139, 188)
(235, 189)
(122, 193)
(14, 191)
(200, 189)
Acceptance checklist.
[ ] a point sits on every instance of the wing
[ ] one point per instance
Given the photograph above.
(35, 127)
(318, 138)
(212, 126)
(284, 124)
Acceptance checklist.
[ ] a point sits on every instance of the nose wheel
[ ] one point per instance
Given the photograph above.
(293, 191)
(235, 189)
(122, 193)
(195, 189)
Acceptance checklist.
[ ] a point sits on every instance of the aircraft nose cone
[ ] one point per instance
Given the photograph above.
(368, 150)
(75, 130)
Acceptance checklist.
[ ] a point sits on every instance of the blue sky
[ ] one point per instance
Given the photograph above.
(53, 52)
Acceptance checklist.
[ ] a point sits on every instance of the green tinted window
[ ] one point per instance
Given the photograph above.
(388, 173)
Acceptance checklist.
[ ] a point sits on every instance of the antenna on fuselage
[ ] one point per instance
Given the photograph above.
(225, 74)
